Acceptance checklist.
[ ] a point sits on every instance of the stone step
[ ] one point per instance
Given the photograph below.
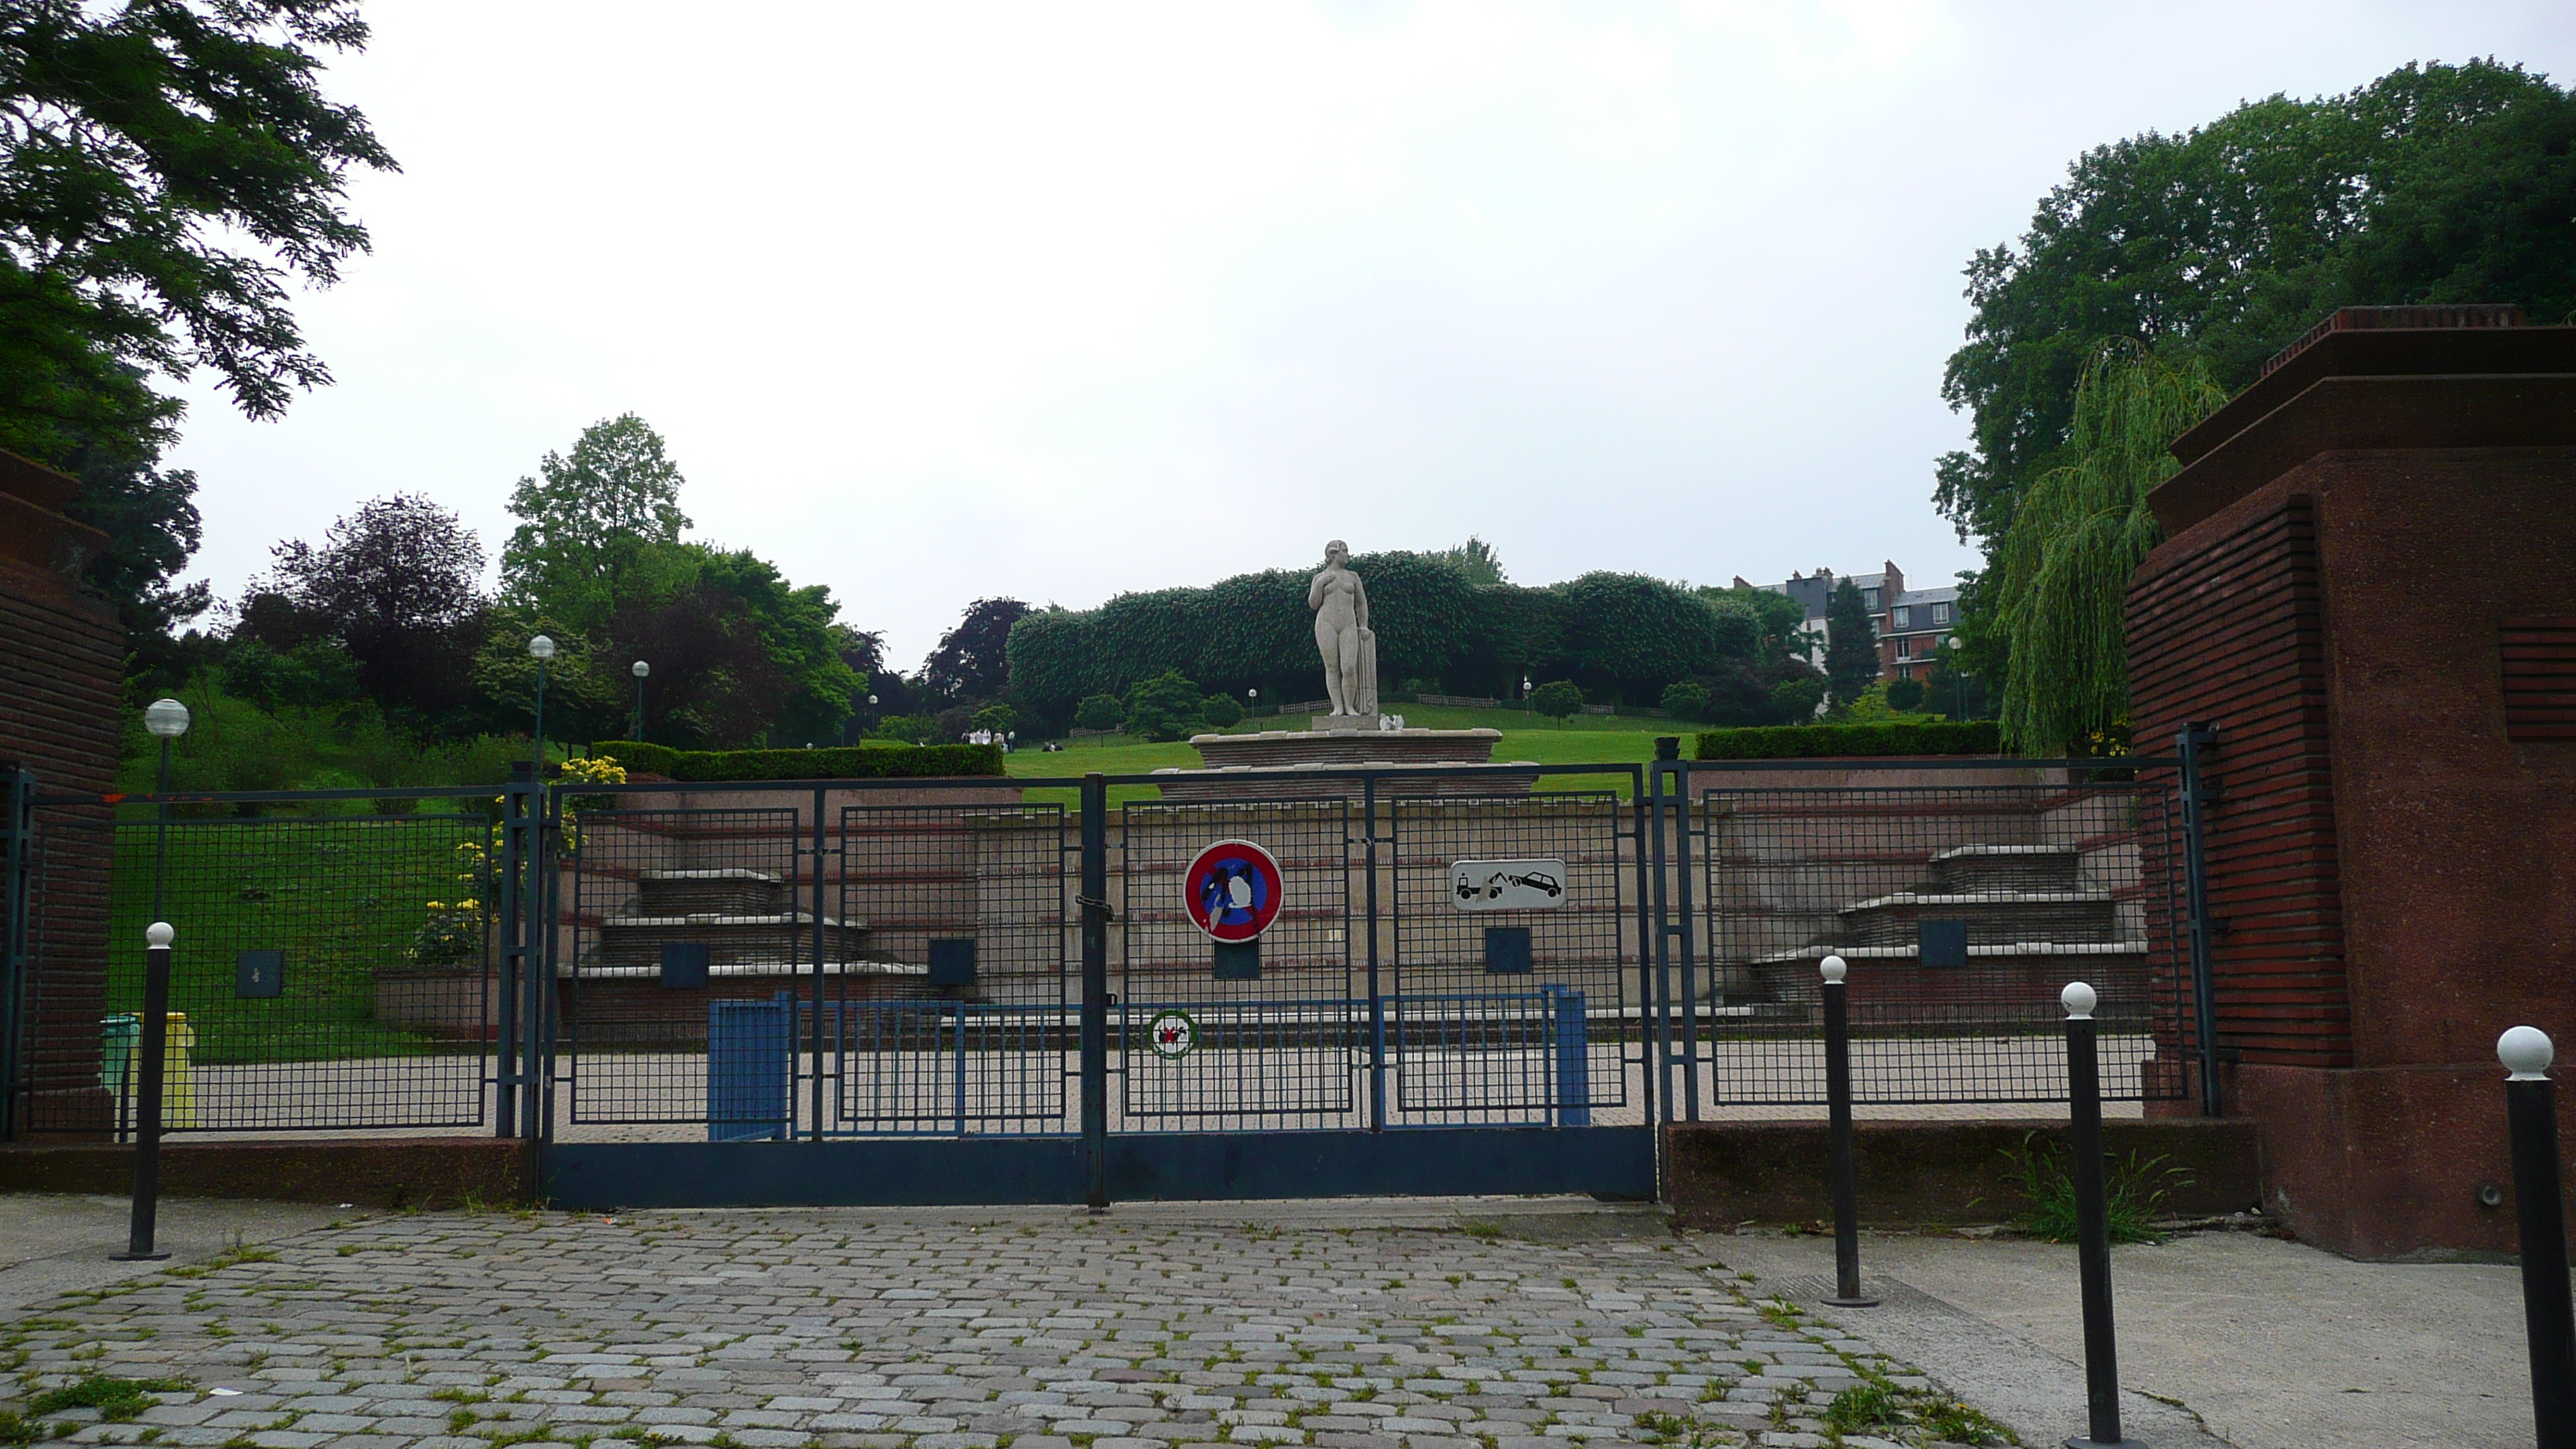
(730, 940)
(730, 892)
(1975, 868)
(1993, 917)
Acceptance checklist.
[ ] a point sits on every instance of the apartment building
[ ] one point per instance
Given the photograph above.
(1911, 623)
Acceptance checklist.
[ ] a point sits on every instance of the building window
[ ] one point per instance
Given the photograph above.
(1940, 615)
(1869, 600)
(1904, 617)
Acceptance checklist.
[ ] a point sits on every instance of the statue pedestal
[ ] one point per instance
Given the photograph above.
(1344, 745)
(1334, 723)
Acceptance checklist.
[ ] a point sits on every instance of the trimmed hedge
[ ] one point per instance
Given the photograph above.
(842, 762)
(1812, 742)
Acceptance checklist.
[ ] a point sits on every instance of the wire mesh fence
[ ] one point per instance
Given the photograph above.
(1961, 911)
(331, 969)
(1268, 1038)
(1516, 946)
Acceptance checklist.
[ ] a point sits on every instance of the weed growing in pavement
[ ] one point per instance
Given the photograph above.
(116, 1400)
(2133, 1191)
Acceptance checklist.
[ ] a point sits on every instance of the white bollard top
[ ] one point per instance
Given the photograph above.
(159, 934)
(2525, 1052)
(2078, 999)
(1833, 968)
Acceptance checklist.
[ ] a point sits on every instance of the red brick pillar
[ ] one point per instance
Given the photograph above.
(2392, 863)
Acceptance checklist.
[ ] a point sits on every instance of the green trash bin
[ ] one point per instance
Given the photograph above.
(120, 1037)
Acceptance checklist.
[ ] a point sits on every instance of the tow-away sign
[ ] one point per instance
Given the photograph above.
(1507, 885)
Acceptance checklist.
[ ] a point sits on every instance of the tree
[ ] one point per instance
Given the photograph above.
(715, 681)
(150, 518)
(2431, 184)
(166, 167)
(2061, 573)
(1905, 692)
(1851, 644)
(1165, 707)
(1001, 719)
(972, 661)
(1557, 699)
(589, 518)
(1221, 711)
(1099, 712)
(796, 627)
(396, 584)
(1476, 560)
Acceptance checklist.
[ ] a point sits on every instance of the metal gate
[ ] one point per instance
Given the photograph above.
(1484, 980)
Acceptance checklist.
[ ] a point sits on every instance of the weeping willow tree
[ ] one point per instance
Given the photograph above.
(2062, 570)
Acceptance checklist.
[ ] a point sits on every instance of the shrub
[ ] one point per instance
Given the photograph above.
(1165, 707)
(849, 762)
(1686, 700)
(1001, 719)
(1807, 742)
(902, 729)
(1557, 699)
(1099, 712)
(1905, 692)
(1221, 711)
(1794, 701)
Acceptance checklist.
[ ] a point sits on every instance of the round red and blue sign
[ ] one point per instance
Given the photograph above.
(1232, 890)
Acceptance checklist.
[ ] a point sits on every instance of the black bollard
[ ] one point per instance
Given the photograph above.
(2092, 1233)
(147, 1110)
(2531, 1112)
(1838, 1115)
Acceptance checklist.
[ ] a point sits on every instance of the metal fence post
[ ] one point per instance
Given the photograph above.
(2092, 1238)
(1376, 997)
(820, 802)
(1093, 898)
(1659, 1000)
(147, 1126)
(2549, 1320)
(1838, 1113)
(2193, 739)
(514, 875)
(17, 869)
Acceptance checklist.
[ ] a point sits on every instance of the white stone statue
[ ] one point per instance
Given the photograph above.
(1343, 636)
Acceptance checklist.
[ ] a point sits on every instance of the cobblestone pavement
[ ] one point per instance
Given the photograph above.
(996, 1329)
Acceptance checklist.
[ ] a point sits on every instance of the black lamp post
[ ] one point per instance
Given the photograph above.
(167, 719)
(541, 649)
(641, 669)
(1958, 682)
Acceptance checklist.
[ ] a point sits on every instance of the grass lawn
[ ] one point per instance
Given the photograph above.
(1583, 740)
(339, 895)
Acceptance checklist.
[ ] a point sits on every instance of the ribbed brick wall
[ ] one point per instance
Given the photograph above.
(2230, 633)
(62, 658)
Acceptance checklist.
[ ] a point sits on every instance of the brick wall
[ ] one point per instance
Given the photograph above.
(2229, 632)
(62, 660)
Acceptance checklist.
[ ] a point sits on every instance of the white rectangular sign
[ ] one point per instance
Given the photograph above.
(1507, 885)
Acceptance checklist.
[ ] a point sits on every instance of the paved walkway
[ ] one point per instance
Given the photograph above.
(1482, 1325)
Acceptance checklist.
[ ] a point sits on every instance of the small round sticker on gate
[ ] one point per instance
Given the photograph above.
(1232, 890)
(1172, 1034)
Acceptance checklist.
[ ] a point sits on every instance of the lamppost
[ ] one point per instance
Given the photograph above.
(641, 669)
(541, 649)
(1255, 696)
(1525, 691)
(167, 719)
(1958, 682)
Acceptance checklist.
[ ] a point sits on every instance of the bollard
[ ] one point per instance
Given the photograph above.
(2092, 1235)
(2549, 1319)
(147, 1107)
(1838, 1114)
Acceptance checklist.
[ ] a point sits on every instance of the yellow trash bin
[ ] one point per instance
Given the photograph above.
(178, 1088)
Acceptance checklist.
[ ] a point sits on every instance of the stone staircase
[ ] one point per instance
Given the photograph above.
(2032, 919)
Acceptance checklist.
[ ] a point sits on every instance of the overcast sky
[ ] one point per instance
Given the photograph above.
(939, 301)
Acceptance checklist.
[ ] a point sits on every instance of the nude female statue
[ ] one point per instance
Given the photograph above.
(1342, 633)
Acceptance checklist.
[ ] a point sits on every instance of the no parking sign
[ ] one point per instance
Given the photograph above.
(1232, 891)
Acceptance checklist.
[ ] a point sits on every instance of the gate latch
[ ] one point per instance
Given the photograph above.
(1095, 903)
